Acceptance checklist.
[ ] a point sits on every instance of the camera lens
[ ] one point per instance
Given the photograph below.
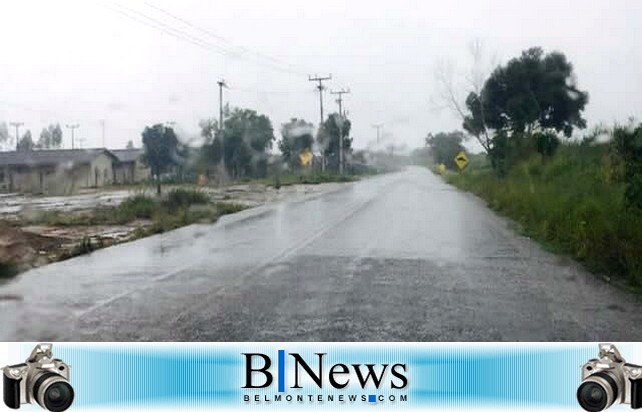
(53, 392)
(58, 396)
(592, 396)
(597, 392)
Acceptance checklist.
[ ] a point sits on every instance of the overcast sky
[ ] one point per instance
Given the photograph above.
(83, 61)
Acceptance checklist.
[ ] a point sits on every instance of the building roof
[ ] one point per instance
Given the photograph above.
(51, 157)
(128, 155)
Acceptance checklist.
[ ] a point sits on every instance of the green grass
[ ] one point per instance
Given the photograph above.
(179, 207)
(8, 269)
(570, 203)
(179, 198)
(313, 178)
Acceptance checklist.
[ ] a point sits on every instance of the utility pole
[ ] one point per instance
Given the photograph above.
(102, 125)
(342, 119)
(72, 127)
(320, 87)
(378, 126)
(221, 83)
(17, 126)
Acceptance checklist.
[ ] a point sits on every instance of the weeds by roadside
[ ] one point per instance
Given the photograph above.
(7, 269)
(571, 203)
(309, 179)
(179, 207)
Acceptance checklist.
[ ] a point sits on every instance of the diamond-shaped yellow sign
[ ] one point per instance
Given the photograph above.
(305, 158)
(461, 160)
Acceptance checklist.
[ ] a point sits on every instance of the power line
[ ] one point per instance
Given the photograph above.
(171, 30)
(163, 27)
(220, 38)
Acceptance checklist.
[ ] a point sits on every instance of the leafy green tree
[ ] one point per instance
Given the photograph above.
(4, 134)
(445, 146)
(44, 141)
(534, 93)
(297, 136)
(160, 155)
(56, 136)
(547, 143)
(331, 131)
(242, 144)
(26, 142)
(50, 137)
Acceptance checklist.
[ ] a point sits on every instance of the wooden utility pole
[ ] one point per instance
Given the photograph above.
(221, 83)
(17, 126)
(72, 127)
(342, 120)
(378, 126)
(321, 88)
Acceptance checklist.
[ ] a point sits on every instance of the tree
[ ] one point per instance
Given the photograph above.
(445, 146)
(44, 141)
(296, 138)
(50, 137)
(452, 92)
(26, 142)
(160, 144)
(532, 95)
(245, 139)
(4, 134)
(130, 145)
(56, 136)
(532, 92)
(334, 128)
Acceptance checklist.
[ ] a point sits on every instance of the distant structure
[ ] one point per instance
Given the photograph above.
(130, 167)
(59, 172)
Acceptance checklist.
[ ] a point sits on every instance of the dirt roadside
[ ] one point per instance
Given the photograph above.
(29, 245)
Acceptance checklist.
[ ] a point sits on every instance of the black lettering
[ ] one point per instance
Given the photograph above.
(317, 378)
(333, 372)
(399, 376)
(249, 371)
(371, 373)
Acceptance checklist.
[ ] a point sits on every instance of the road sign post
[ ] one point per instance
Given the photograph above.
(461, 160)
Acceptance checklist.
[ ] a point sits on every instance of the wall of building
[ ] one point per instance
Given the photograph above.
(131, 172)
(124, 173)
(102, 172)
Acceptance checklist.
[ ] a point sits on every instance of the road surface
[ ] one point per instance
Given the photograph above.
(399, 257)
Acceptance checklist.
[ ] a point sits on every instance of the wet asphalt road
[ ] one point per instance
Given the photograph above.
(400, 257)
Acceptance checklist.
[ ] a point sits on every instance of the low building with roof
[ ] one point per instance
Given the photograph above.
(130, 167)
(63, 171)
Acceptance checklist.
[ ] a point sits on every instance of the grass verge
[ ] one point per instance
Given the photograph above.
(572, 205)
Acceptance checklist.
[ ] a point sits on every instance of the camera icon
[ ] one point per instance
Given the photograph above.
(608, 380)
(41, 379)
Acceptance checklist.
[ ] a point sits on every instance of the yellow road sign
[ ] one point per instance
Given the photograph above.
(305, 158)
(461, 160)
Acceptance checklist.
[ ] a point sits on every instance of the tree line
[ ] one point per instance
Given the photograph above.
(525, 105)
(50, 138)
(241, 148)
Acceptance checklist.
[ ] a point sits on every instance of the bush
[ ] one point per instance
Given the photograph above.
(568, 204)
(178, 198)
(7, 269)
(138, 206)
